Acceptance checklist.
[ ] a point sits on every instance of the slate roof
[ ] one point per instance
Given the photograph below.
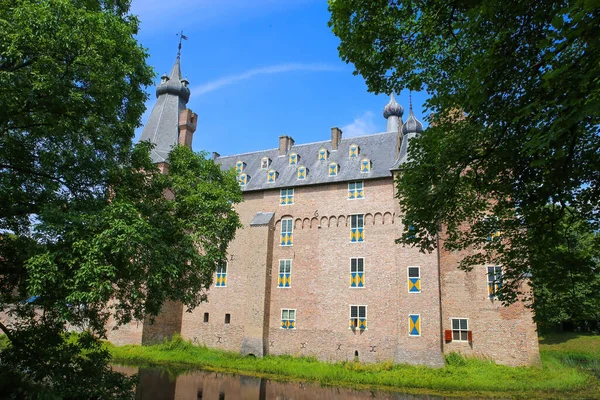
(262, 218)
(379, 148)
(162, 127)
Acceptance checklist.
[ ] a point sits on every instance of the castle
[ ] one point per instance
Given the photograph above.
(315, 270)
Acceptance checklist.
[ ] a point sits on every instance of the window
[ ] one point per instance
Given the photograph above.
(357, 233)
(353, 152)
(302, 172)
(323, 154)
(243, 179)
(460, 330)
(357, 272)
(265, 162)
(294, 159)
(221, 275)
(239, 167)
(286, 232)
(286, 197)
(358, 317)
(227, 319)
(365, 165)
(285, 274)
(288, 319)
(271, 176)
(205, 317)
(333, 169)
(414, 279)
(494, 281)
(355, 190)
(414, 325)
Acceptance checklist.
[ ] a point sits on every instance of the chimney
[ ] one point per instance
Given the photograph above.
(187, 127)
(336, 137)
(285, 144)
(215, 155)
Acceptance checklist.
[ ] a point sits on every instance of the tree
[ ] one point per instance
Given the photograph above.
(89, 226)
(572, 271)
(513, 145)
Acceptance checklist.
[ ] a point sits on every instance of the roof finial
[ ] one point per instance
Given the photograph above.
(181, 37)
(410, 101)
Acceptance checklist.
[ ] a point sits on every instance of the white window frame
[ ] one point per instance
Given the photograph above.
(297, 159)
(288, 318)
(369, 169)
(290, 231)
(420, 325)
(337, 169)
(460, 330)
(225, 266)
(298, 173)
(357, 227)
(264, 163)
(408, 279)
(290, 262)
(319, 154)
(357, 150)
(362, 183)
(281, 196)
(489, 282)
(358, 316)
(363, 271)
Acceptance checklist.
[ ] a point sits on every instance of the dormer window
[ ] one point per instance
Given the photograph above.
(243, 179)
(365, 165)
(353, 151)
(302, 172)
(271, 176)
(265, 162)
(323, 154)
(294, 158)
(239, 166)
(333, 169)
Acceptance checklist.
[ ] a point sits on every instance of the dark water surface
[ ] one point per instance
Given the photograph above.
(155, 384)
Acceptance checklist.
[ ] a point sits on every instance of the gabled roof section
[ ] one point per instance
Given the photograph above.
(162, 128)
(379, 148)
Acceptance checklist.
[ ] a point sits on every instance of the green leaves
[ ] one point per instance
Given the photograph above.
(89, 225)
(525, 79)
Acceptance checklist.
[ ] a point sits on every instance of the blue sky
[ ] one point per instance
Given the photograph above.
(259, 69)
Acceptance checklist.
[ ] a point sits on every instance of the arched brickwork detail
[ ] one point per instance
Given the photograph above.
(314, 222)
(305, 223)
(341, 220)
(369, 219)
(324, 222)
(388, 218)
(298, 223)
(332, 221)
(378, 219)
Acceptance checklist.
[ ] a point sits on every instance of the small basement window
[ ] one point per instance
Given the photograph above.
(227, 318)
(205, 317)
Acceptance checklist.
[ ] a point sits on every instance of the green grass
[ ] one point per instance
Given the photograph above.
(568, 369)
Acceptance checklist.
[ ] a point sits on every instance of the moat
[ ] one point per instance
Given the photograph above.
(155, 384)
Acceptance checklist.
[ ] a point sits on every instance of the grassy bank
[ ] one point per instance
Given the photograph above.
(568, 370)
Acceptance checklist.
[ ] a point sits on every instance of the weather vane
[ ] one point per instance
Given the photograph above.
(181, 37)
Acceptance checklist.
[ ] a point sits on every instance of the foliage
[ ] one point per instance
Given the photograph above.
(467, 376)
(567, 278)
(515, 102)
(89, 226)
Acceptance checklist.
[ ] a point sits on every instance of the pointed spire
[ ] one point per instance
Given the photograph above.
(412, 124)
(176, 70)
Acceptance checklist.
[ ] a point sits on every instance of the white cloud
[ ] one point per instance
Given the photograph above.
(273, 69)
(364, 124)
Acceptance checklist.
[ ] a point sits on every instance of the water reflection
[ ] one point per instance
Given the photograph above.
(155, 384)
